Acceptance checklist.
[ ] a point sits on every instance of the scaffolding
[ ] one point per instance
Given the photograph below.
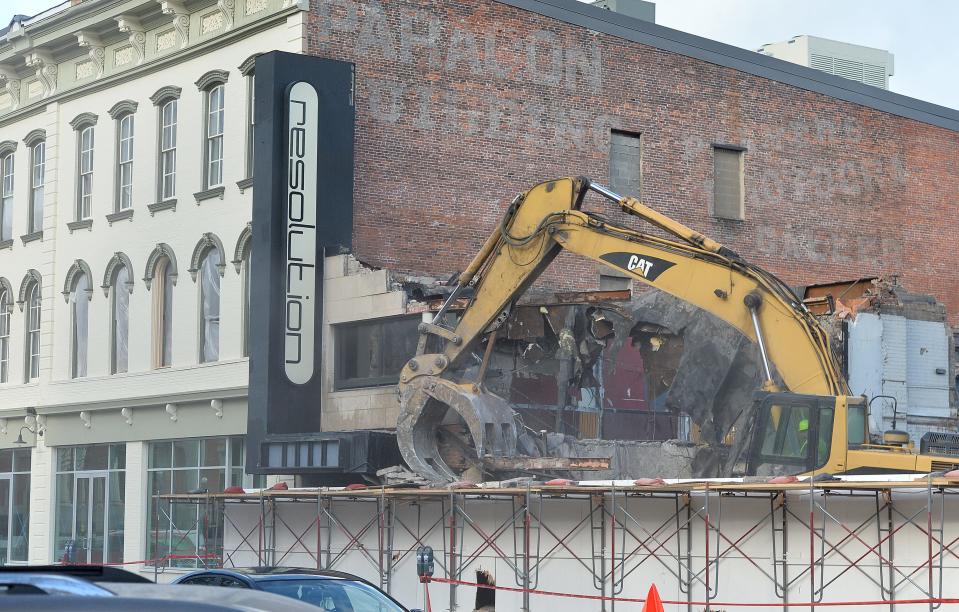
(714, 543)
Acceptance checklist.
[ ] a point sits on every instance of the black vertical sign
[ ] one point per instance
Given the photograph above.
(302, 207)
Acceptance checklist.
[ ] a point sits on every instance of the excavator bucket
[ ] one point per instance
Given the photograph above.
(444, 429)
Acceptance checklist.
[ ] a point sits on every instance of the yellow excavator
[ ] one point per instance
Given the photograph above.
(803, 419)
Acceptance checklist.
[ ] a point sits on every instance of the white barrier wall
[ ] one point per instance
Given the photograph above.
(649, 544)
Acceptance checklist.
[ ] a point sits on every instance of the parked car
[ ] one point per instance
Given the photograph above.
(331, 590)
(55, 588)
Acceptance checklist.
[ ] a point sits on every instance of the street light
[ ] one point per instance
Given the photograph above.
(36, 430)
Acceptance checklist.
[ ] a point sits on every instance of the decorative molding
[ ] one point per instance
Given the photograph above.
(244, 184)
(84, 70)
(31, 237)
(160, 251)
(8, 146)
(6, 244)
(11, 84)
(76, 269)
(96, 50)
(164, 94)
(211, 78)
(6, 287)
(255, 6)
(243, 244)
(32, 276)
(46, 70)
(74, 226)
(211, 22)
(181, 20)
(122, 107)
(249, 64)
(161, 206)
(123, 55)
(208, 241)
(120, 215)
(83, 120)
(209, 194)
(34, 137)
(166, 40)
(227, 7)
(34, 88)
(118, 261)
(137, 36)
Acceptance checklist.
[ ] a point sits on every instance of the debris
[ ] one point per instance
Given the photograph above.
(512, 464)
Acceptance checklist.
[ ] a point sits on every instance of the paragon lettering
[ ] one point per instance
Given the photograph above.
(301, 206)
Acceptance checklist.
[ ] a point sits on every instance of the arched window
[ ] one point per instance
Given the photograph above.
(6, 303)
(80, 326)
(209, 276)
(32, 331)
(164, 278)
(120, 320)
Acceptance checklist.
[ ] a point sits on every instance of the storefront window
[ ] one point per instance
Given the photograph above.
(90, 491)
(180, 534)
(14, 504)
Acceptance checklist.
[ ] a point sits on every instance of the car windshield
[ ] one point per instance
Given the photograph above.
(332, 595)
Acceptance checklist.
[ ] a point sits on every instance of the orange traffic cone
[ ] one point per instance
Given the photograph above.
(653, 602)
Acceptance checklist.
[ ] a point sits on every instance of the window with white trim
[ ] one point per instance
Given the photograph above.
(209, 276)
(85, 174)
(213, 143)
(120, 321)
(6, 197)
(38, 157)
(80, 325)
(163, 314)
(33, 332)
(124, 162)
(167, 182)
(6, 303)
(250, 124)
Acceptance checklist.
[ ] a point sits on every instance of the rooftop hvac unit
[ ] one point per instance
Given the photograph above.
(938, 443)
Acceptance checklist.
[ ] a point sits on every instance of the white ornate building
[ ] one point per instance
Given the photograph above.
(125, 153)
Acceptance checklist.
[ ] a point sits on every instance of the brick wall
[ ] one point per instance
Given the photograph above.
(462, 104)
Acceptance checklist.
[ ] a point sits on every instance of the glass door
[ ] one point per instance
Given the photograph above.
(89, 519)
(4, 519)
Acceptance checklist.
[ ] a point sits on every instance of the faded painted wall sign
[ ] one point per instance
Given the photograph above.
(440, 48)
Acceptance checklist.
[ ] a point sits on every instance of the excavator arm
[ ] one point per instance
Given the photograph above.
(537, 226)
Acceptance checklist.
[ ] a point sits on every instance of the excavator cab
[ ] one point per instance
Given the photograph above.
(793, 434)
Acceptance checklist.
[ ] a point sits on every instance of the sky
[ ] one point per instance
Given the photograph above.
(921, 33)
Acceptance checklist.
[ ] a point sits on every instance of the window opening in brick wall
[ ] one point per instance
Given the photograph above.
(625, 163)
(372, 353)
(728, 183)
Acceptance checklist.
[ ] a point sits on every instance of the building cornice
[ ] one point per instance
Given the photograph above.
(63, 73)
